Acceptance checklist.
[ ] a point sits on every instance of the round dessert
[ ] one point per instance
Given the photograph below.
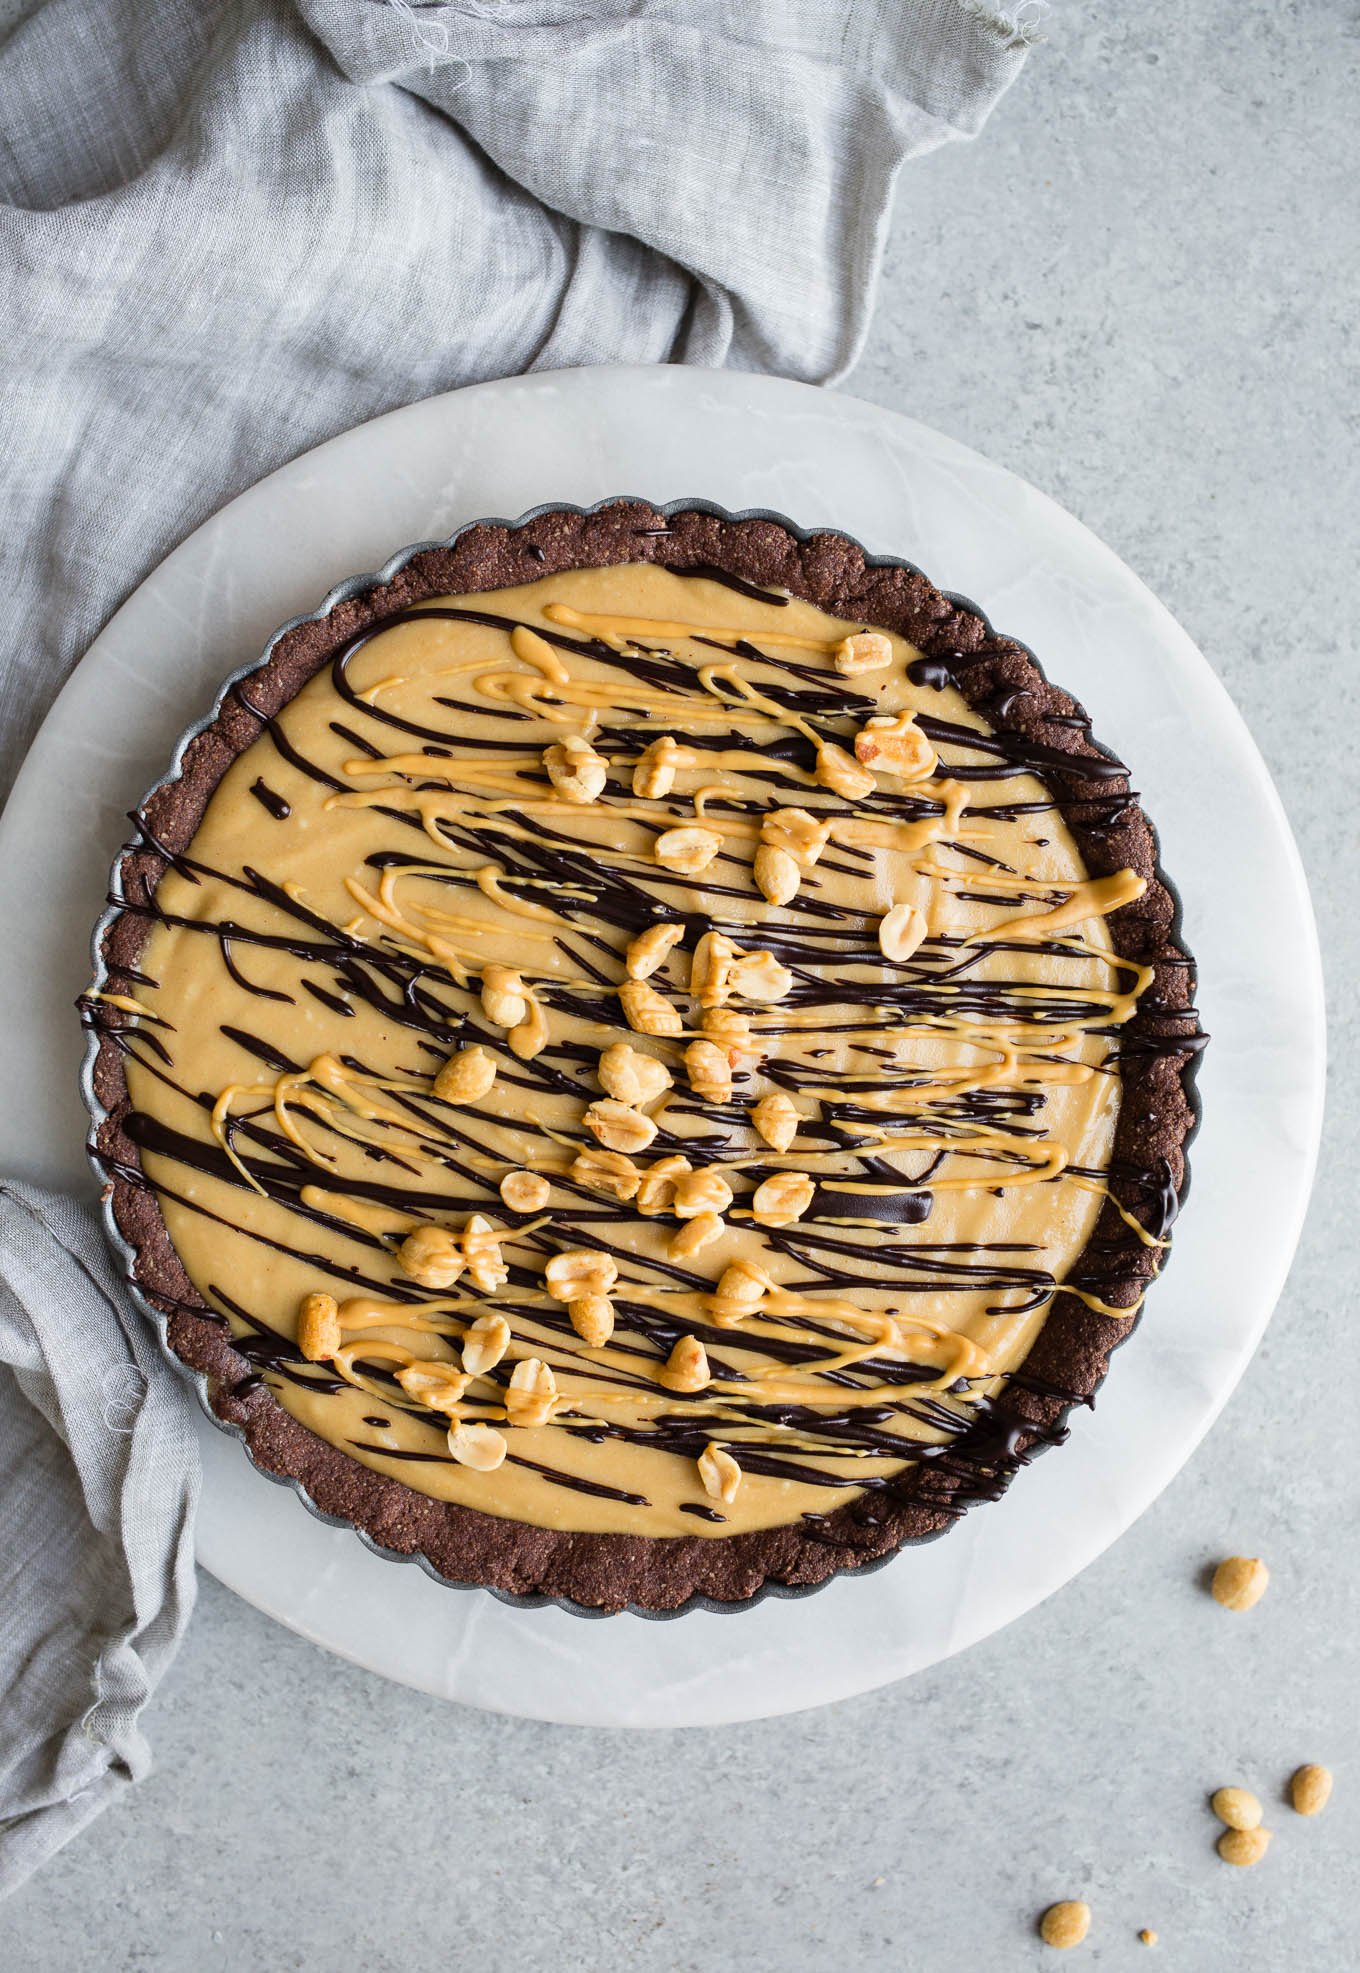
(644, 1057)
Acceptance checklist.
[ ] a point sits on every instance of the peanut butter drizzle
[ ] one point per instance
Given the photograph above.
(316, 968)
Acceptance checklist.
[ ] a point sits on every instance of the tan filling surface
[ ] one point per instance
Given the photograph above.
(961, 1081)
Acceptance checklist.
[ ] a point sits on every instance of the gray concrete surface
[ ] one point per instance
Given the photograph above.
(1139, 291)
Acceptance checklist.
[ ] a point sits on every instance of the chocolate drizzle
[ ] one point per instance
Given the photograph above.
(267, 799)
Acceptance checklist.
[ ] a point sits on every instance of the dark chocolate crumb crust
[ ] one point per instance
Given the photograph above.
(1158, 1051)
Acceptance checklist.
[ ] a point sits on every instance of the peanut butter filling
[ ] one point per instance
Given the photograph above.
(623, 1056)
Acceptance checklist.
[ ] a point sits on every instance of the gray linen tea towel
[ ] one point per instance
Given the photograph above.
(98, 1480)
(229, 230)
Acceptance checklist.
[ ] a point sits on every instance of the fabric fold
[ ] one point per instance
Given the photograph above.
(98, 1484)
(231, 232)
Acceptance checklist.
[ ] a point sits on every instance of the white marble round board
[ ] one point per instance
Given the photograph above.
(822, 459)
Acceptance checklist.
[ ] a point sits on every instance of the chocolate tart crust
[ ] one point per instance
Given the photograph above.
(605, 1572)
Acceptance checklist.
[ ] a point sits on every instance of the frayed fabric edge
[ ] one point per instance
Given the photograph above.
(1020, 26)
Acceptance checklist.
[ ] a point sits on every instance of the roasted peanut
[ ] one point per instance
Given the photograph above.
(1240, 1582)
(438, 1386)
(656, 1193)
(732, 1030)
(484, 1344)
(710, 972)
(900, 931)
(318, 1327)
(894, 744)
(1238, 1808)
(576, 771)
(481, 1448)
(618, 1127)
(687, 850)
(759, 976)
(866, 650)
(741, 1289)
(649, 949)
(697, 1233)
(629, 1076)
(1065, 1924)
(592, 1317)
(743, 1282)
(709, 1071)
(580, 1271)
(503, 1000)
(431, 1256)
(686, 1368)
(719, 1473)
(525, 1191)
(466, 1076)
(842, 773)
(705, 1191)
(782, 1199)
(777, 1120)
(776, 873)
(646, 1012)
(482, 1252)
(1243, 1847)
(797, 833)
(531, 1393)
(610, 1172)
(654, 775)
(1310, 1789)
